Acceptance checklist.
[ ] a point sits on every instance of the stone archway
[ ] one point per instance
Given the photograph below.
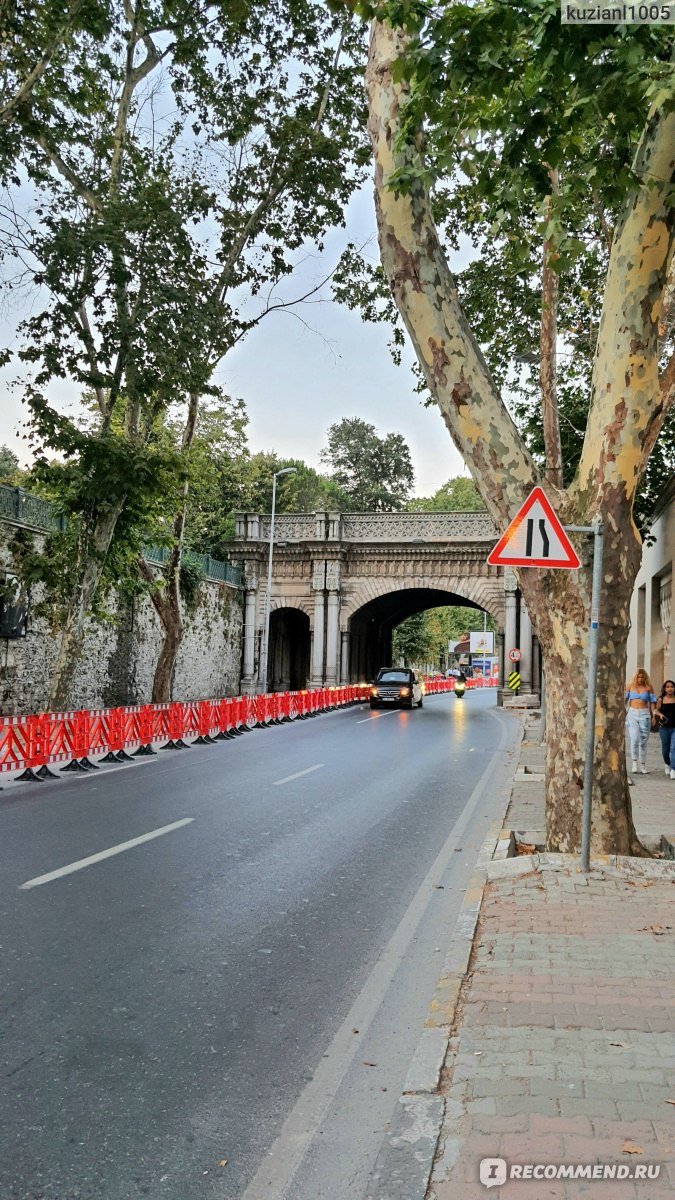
(289, 650)
(331, 566)
(370, 628)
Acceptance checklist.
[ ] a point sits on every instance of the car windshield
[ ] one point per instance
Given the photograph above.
(393, 677)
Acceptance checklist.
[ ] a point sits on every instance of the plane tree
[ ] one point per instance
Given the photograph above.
(551, 146)
(166, 164)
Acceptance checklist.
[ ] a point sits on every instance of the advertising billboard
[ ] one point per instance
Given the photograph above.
(481, 643)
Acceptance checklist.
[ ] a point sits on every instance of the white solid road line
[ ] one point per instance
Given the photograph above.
(94, 858)
(378, 715)
(288, 778)
(275, 1175)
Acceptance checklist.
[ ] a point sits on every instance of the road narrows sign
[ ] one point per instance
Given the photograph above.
(535, 538)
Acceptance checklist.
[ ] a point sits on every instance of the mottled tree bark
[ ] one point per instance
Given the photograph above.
(93, 545)
(548, 358)
(627, 410)
(167, 598)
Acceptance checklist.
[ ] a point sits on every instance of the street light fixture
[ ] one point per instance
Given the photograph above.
(268, 595)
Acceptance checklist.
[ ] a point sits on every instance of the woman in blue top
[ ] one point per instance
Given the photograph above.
(641, 700)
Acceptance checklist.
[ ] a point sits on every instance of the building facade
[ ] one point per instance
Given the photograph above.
(650, 644)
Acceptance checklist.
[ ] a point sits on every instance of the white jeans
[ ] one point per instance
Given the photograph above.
(638, 724)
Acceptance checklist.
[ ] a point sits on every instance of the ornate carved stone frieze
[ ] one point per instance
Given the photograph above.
(251, 578)
(333, 576)
(368, 527)
(395, 527)
(318, 575)
(290, 527)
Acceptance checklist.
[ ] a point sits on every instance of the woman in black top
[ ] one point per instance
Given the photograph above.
(665, 715)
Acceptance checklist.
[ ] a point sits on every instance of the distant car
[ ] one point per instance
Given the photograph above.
(396, 685)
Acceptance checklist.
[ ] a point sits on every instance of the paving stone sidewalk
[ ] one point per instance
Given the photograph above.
(564, 1051)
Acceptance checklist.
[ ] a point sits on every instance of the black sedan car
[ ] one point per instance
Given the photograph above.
(396, 686)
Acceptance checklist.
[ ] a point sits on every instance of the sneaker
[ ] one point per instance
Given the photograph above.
(643, 769)
(672, 774)
(667, 771)
(633, 767)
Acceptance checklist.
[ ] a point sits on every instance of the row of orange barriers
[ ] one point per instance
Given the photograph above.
(434, 684)
(34, 743)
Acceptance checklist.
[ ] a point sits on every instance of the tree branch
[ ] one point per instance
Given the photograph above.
(133, 76)
(425, 293)
(547, 343)
(90, 198)
(40, 67)
(88, 339)
(627, 409)
(252, 225)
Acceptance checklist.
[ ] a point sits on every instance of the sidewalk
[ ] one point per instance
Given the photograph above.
(562, 1049)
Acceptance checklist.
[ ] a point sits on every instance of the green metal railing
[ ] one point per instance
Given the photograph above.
(21, 508)
(212, 568)
(17, 505)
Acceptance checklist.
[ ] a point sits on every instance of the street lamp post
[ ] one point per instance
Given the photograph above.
(268, 595)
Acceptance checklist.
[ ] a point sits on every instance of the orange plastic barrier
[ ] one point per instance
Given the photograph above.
(70, 738)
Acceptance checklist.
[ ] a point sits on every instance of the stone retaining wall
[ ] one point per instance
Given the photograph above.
(118, 663)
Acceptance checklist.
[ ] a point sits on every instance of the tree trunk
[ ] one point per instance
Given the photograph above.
(93, 545)
(167, 604)
(559, 603)
(626, 409)
(167, 601)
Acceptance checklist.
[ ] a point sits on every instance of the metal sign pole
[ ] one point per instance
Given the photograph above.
(589, 745)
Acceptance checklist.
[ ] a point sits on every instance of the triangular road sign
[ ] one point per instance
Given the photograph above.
(535, 538)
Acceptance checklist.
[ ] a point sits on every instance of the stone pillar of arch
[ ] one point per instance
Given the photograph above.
(249, 677)
(344, 656)
(333, 623)
(529, 682)
(500, 659)
(525, 648)
(510, 629)
(318, 627)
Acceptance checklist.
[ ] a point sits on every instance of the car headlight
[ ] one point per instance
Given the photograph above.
(405, 691)
(374, 692)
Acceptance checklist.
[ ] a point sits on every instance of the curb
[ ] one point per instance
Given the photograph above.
(404, 1163)
(643, 868)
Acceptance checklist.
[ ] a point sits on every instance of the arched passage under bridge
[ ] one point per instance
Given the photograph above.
(370, 632)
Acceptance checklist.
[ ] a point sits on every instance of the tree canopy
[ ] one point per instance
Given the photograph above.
(457, 495)
(374, 472)
(165, 164)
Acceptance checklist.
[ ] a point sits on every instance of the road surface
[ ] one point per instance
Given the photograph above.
(227, 1009)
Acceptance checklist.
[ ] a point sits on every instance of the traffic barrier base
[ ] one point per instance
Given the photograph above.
(28, 776)
(45, 773)
(73, 766)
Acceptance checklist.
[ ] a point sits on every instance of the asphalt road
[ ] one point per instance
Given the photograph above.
(228, 1010)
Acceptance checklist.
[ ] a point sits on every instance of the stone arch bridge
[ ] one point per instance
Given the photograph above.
(342, 582)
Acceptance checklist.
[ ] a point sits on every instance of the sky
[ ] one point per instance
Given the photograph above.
(298, 374)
